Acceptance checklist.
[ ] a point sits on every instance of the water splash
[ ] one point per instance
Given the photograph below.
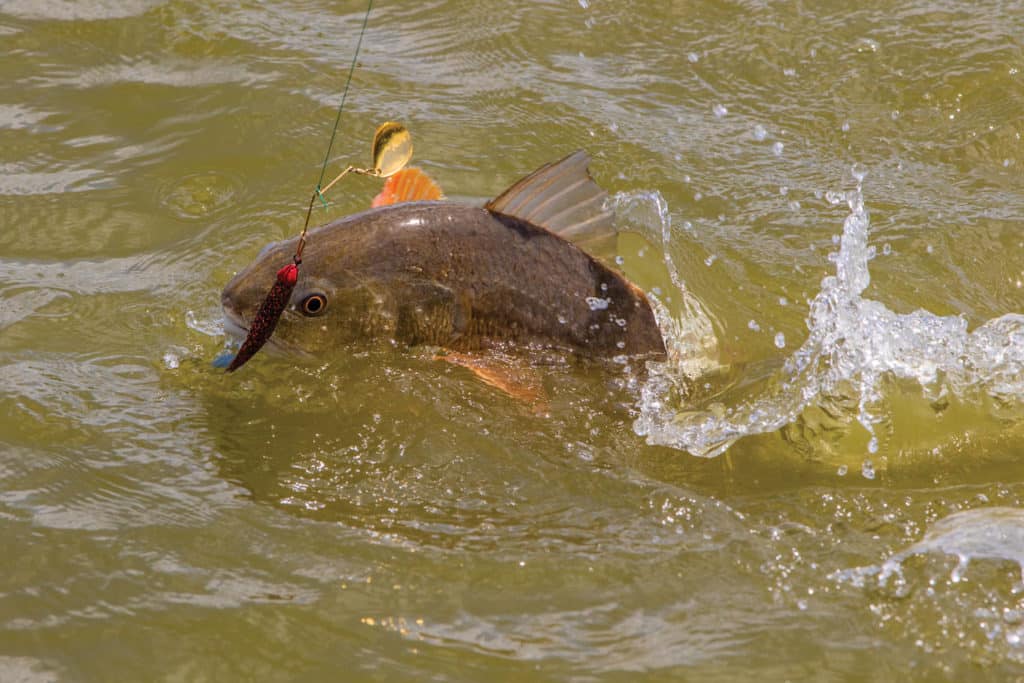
(688, 329)
(993, 533)
(854, 347)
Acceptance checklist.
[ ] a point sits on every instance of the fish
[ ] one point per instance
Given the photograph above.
(512, 274)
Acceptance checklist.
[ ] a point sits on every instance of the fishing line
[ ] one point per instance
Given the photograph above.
(334, 131)
(277, 298)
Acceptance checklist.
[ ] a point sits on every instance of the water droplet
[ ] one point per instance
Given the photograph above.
(868, 45)
(619, 260)
(621, 322)
(620, 344)
(693, 57)
(780, 341)
(859, 171)
(783, 190)
(783, 301)
(719, 110)
(887, 249)
(777, 148)
(752, 324)
(562, 320)
(845, 127)
(656, 291)
(760, 132)
(585, 4)
(867, 470)
(833, 197)
(597, 303)
(709, 260)
(843, 469)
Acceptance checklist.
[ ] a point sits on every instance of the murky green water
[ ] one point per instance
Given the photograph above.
(375, 515)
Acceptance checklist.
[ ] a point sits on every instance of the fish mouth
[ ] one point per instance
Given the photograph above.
(234, 325)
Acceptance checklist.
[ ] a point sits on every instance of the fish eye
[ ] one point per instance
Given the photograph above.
(313, 305)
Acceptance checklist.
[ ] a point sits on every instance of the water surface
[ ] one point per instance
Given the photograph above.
(824, 199)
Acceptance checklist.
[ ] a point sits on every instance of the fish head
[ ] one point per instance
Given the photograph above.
(330, 305)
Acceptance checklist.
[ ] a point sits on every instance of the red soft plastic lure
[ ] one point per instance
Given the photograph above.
(268, 314)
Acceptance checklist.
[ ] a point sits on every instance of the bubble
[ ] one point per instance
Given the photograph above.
(710, 259)
(171, 360)
(760, 132)
(693, 57)
(780, 340)
(783, 301)
(842, 470)
(859, 172)
(719, 110)
(597, 303)
(887, 249)
(752, 324)
(585, 4)
(777, 148)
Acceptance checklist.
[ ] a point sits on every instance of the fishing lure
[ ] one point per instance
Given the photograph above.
(392, 150)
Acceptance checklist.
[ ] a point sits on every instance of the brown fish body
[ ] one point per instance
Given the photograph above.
(455, 276)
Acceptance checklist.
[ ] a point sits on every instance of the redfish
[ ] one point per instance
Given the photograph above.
(512, 273)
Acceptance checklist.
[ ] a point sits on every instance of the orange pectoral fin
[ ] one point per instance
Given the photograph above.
(521, 382)
(408, 185)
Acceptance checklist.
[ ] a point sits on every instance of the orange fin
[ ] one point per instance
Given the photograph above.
(408, 185)
(517, 380)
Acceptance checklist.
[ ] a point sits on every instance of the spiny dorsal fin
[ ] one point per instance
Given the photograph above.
(563, 198)
(408, 185)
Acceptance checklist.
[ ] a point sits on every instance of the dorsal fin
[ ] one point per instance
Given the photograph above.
(563, 198)
(408, 185)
